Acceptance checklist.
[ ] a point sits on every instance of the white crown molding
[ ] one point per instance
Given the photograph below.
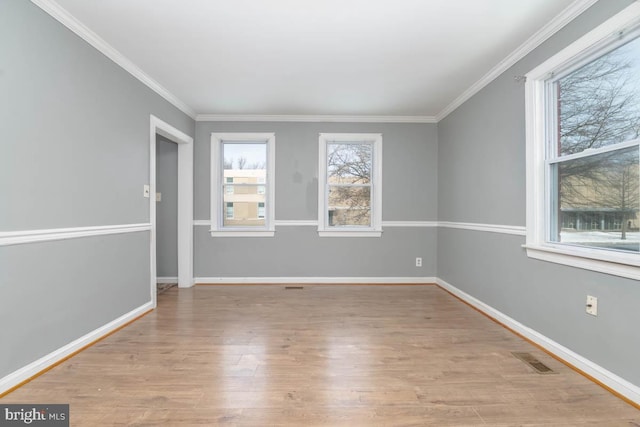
(65, 18)
(609, 379)
(314, 280)
(492, 228)
(552, 27)
(33, 236)
(32, 369)
(312, 118)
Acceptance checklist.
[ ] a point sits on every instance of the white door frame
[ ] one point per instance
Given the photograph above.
(185, 201)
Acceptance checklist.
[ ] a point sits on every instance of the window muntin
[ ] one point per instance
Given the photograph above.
(592, 158)
(350, 183)
(242, 174)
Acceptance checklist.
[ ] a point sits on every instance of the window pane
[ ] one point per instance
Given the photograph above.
(599, 200)
(349, 206)
(244, 167)
(349, 163)
(248, 205)
(243, 156)
(599, 103)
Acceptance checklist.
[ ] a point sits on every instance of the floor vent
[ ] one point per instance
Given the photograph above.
(286, 288)
(530, 360)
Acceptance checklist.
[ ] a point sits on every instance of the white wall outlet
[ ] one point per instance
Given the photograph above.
(418, 262)
(592, 305)
(146, 191)
(158, 197)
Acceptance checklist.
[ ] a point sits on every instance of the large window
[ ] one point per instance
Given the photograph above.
(583, 151)
(242, 192)
(350, 189)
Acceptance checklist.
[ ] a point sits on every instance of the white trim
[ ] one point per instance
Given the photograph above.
(491, 228)
(537, 169)
(552, 27)
(611, 380)
(241, 233)
(315, 280)
(185, 202)
(33, 368)
(217, 139)
(312, 118)
(350, 233)
(65, 18)
(296, 223)
(166, 279)
(34, 236)
(410, 224)
(572, 257)
(375, 230)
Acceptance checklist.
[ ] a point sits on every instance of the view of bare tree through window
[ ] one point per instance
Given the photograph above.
(596, 165)
(244, 184)
(349, 167)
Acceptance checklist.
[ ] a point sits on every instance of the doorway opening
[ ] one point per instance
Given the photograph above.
(184, 199)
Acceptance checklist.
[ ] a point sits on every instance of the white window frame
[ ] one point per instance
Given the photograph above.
(217, 181)
(375, 230)
(538, 244)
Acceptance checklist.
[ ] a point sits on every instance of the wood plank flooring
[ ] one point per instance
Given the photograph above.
(319, 356)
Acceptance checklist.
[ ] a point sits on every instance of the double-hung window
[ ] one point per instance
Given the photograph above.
(350, 185)
(583, 151)
(242, 190)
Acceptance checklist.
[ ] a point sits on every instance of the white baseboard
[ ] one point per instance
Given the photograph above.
(32, 369)
(609, 379)
(166, 279)
(315, 280)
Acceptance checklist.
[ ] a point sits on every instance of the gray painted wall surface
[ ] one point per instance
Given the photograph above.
(482, 180)
(75, 139)
(55, 292)
(409, 186)
(75, 128)
(299, 252)
(167, 208)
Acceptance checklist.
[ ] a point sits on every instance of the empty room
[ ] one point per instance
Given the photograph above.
(328, 213)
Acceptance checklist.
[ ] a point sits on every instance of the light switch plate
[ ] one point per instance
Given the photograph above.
(146, 191)
(592, 305)
(158, 197)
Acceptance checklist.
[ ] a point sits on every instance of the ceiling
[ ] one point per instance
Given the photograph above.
(321, 57)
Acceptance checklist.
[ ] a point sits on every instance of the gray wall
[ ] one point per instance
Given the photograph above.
(167, 208)
(75, 139)
(409, 181)
(482, 180)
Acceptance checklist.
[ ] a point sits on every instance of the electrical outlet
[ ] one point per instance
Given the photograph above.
(418, 262)
(592, 305)
(146, 191)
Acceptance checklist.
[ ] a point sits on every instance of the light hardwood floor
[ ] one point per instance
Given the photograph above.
(325, 355)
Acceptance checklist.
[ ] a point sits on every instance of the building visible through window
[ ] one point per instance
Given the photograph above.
(242, 193)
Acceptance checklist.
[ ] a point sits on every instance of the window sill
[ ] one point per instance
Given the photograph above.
(349, 233)
(617, 264)
(242, 233)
